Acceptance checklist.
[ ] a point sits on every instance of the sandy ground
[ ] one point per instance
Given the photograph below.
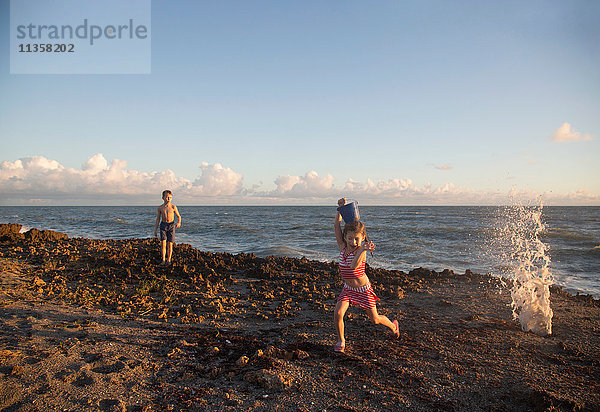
(97, 325)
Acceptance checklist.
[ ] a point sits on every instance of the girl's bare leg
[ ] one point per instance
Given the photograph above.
(378, 319)
(338, 318)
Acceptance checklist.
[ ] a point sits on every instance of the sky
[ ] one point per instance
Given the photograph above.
(304, 102)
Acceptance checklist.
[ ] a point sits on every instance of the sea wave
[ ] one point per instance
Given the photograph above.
(278, 251)
(566, 234)
(291, 252)
(298, 227)
(238, 227)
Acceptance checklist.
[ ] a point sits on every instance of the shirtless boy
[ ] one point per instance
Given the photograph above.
(167, 212)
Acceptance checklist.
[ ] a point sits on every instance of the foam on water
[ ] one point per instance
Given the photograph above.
(529, 263)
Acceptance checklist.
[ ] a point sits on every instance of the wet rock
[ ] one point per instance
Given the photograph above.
(10, 231)
(242, 361)
(37, 282)
(35, 235)
(274, 352)
(397, 292)
(422, 272)
(588, 299)
(214, 372)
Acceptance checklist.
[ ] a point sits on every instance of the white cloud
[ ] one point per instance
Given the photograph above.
(565, 134)
(581, 197)
(38, 180)
(216, 180)
(309, 185)
(444, 167)
(313, 188)
(96, 163)
(392, 188)
(39, 177)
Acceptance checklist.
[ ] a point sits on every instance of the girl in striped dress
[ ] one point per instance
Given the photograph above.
(357, 289)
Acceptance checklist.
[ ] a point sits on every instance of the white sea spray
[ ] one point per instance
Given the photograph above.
(527, 264)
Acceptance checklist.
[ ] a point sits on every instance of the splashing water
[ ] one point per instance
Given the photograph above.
(525, 255)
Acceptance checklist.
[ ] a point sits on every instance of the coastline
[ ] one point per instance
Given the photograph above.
(97, 325)
(432, 237)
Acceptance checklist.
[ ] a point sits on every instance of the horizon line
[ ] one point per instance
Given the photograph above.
(297, 205)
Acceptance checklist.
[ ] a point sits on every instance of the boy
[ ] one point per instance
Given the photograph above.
(167, 212)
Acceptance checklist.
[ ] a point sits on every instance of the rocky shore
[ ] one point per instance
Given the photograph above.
(99, 325)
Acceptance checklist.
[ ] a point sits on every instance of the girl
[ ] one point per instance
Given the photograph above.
(357, 288)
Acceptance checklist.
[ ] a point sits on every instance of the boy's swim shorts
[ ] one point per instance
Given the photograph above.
(167, 231)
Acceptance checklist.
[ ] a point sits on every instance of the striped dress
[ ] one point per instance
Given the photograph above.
(363, 296)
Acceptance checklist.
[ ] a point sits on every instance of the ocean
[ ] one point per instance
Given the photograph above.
(456, 238)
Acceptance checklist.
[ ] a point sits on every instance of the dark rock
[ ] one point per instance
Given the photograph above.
(8, 229)
(398, 292)
(11, 231)
(422, 272)
(35, 235)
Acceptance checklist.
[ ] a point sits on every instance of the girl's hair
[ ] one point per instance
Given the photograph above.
(354, 227)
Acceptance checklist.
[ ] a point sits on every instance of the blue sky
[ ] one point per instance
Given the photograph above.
(270, 102)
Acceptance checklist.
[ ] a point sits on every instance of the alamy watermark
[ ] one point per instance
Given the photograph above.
(80, 37)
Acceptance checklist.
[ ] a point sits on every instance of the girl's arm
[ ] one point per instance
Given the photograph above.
(358, 258)
(336, 225)
(361, 254)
